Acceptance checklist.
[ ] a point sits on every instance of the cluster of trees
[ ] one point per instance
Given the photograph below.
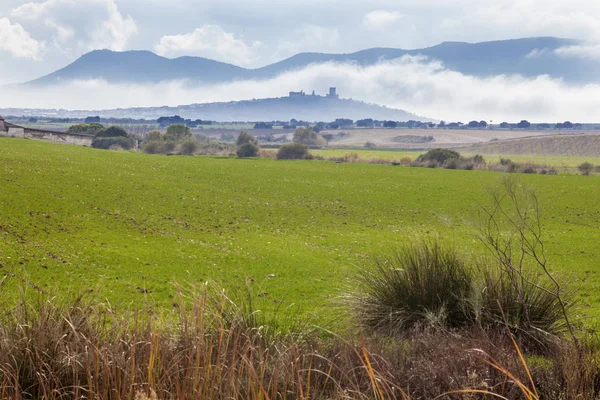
(524, 124)
(263, 125)
(308, 137)
(111, 137)
(177, 120)
(177, 136)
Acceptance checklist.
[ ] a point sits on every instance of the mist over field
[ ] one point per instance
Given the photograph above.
(417, 84)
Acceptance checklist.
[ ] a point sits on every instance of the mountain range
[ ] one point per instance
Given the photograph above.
(527, 57)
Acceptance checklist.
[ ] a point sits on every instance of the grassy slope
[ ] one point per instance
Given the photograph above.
(73, 218)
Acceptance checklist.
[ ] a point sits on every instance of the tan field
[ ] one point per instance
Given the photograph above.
(417, 138)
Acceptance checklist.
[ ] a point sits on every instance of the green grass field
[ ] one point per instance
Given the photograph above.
(129, 225)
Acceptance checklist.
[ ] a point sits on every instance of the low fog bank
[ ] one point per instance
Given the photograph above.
(415, 84)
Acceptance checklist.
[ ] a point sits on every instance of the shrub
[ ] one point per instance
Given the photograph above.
(177, 132)
(428, 285)
(370, 145)
(86, 129)
(439, 155)
(153, 135)
(245, 137)
(170, 146)
(112, 131)
(106, 143)
(293, 151)
(528, 307)
(247, 150)
(154, 147)
(419, 285)
(308, 136)
(586, 168)
(478, 159)
(189, 147)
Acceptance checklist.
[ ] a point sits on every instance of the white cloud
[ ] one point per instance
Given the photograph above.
(324, 35)
(536, 53)
(209, 41)
(584, 51)
(411, 83)
(78, 25)
(17, 41)
(381, 19)
(306, 38)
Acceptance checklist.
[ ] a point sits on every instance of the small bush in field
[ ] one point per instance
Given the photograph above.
(293, 151)
(439, 155)
(586, 168)
(247, 150)
(153, 135)
(245, 138)
(189, 147)
(429, 285)
(154, 147)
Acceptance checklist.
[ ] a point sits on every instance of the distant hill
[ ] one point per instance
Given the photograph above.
(308, 108)
(527, 57)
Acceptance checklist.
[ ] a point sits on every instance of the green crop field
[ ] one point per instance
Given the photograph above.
(128, 225)
(569, 163)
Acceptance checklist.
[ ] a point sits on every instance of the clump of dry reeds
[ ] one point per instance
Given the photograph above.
(211, 348)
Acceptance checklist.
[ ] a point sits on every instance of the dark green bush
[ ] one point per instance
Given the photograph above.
(170, 146)
(247, 150)
(153, 135)
(178, 132)
(112, 131)
(439, 155)
(586, 168)
(244, 138)
(189, 147)
(86, 129)
(154, 147)
(293, 151)
(106, 143)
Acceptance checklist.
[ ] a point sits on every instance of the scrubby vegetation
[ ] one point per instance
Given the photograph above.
(247, 145)
(448, 159)
(308, 137)
(293, 151)
(113, 138)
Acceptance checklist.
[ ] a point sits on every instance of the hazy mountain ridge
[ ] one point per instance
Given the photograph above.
(309, 108)
(528, 57)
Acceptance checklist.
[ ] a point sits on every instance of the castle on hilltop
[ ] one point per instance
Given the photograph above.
(331, 95)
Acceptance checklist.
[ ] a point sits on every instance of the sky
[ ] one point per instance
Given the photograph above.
(38, 37)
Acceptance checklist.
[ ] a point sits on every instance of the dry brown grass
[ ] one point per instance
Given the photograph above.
(209, 348)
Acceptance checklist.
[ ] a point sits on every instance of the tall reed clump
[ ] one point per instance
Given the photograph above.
(428, 285)
(207, 348)
(416, 286)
